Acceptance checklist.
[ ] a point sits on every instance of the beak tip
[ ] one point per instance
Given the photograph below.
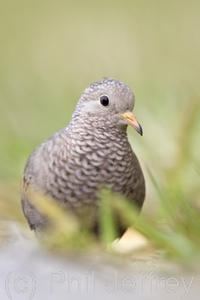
(140, 131)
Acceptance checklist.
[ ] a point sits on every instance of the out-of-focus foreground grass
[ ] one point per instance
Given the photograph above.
(50, 51)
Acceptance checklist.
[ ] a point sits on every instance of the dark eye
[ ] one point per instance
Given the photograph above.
(104, 100)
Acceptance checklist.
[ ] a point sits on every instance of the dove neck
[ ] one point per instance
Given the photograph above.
(96, 126)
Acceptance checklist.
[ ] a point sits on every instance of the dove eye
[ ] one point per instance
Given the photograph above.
(104, 100)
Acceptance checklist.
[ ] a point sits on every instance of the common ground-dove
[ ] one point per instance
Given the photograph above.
(92, 151)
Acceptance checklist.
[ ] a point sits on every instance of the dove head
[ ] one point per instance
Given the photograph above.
(110, 102)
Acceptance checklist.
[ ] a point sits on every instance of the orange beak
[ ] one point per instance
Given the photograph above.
(130, 119)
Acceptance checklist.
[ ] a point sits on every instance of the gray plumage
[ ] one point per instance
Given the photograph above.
(93, 150)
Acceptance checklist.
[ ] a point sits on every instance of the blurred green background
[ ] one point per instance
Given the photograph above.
(50, 51)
